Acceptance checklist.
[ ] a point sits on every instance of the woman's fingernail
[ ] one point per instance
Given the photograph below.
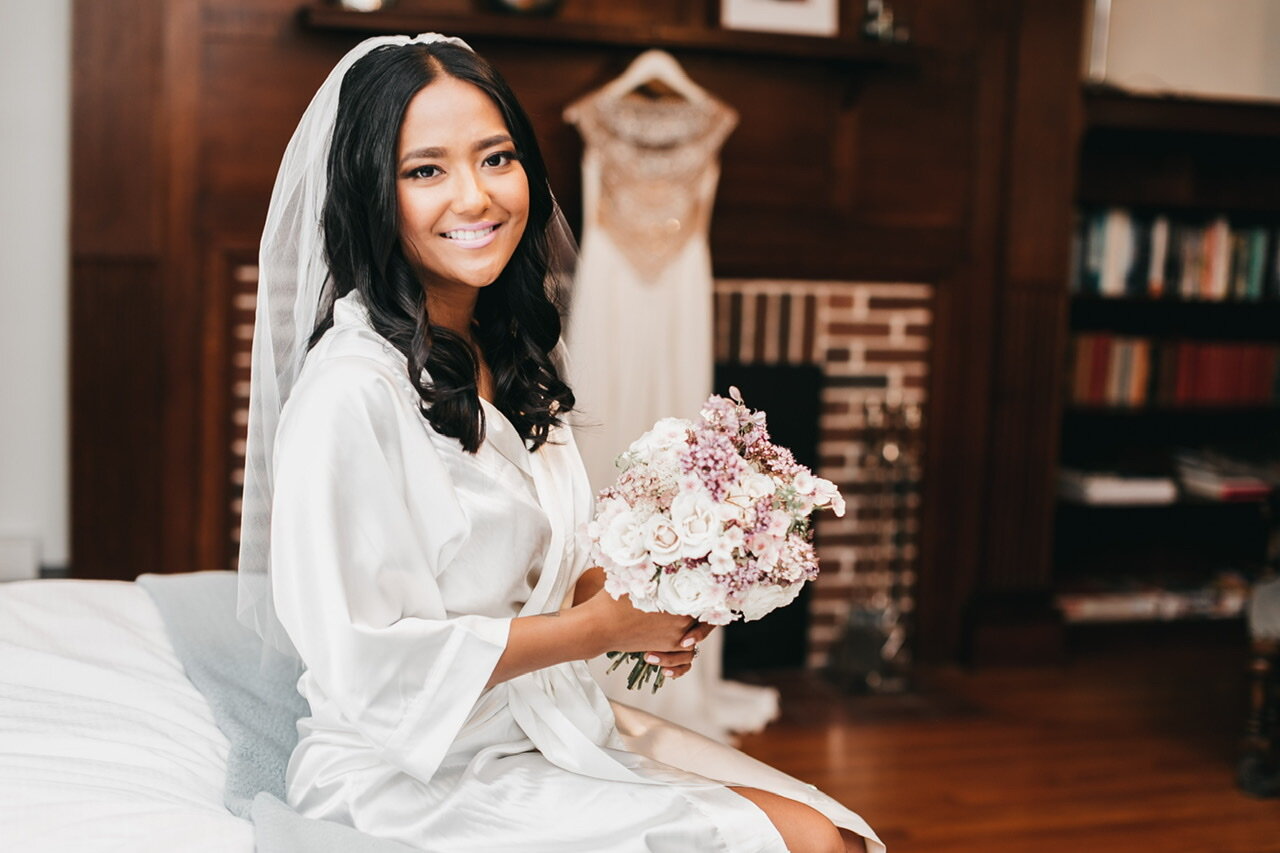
(653, 659)
(669, 672)
(688, 641)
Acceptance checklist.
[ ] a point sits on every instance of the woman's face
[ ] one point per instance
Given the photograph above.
(463, 195)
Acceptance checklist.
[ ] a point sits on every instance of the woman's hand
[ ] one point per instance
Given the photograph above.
(668, 641)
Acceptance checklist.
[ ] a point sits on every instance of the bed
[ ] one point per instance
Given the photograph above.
(118, 733)
(141, 716)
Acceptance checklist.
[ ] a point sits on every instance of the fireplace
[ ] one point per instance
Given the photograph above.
(868, 346)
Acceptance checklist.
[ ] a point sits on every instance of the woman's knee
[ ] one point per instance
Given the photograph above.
(803, 828)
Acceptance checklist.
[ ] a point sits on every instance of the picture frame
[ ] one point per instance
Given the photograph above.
(795, 17)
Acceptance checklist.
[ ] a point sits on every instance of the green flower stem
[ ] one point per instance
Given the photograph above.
(641, 672)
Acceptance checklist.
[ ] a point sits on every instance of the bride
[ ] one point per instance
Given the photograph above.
(412, 499)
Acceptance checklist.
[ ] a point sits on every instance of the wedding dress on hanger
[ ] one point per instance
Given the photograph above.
(640, 323)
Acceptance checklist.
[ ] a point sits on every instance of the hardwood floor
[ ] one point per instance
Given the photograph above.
(1131, 746)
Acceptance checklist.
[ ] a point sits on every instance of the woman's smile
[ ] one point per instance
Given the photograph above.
(473, 236)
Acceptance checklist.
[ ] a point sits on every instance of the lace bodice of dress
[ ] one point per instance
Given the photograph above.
(654, 154)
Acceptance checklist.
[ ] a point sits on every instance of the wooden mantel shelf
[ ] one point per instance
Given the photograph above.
(843, 51)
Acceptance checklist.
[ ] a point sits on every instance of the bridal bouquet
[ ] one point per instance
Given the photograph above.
(708, 520)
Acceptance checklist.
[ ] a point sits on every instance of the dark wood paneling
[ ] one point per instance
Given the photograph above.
(955, 488)
(116, 432)
(117, 136)
(182, 304)
(1044, 143)
(1010, 608)
(1024, 438)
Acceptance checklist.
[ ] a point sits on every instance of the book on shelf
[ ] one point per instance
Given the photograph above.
(1123, 253)
(1133, 600)
(1218, 476)
(1110, 488)
(1106, 369)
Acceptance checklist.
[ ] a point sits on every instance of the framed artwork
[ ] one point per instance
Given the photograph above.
(798, 17)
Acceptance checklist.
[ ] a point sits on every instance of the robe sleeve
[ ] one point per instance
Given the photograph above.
(354, 568)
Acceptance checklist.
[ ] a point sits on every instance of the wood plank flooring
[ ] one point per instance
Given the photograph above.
(1130, 746)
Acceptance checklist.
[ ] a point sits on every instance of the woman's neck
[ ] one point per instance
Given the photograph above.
(455, 311)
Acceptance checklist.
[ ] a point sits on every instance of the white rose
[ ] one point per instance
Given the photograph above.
(763, 599)
(689, 592)
(662, 540)
(696, 522)
(666, 434)
(623, 540)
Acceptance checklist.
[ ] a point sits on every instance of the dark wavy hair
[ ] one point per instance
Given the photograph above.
(518, 323)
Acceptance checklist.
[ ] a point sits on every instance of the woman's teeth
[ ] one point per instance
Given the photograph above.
(463, 234)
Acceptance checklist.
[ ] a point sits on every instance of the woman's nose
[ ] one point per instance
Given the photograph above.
(471, 197)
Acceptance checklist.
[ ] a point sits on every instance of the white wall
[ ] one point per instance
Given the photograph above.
(1199, 48)
(35, 100)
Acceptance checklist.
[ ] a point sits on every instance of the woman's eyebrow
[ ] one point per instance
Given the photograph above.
(429, 153)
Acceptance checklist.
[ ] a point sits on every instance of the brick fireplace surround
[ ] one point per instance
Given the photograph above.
(871, 342)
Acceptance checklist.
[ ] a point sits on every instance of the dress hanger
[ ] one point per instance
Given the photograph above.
(657, 72)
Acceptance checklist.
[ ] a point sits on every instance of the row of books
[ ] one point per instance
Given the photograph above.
(1117, 252)
(1115, 370)
(1202, 473)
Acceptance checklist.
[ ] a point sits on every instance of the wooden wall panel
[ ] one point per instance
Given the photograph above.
(117, 503)
(117, 138)
(1011, 613)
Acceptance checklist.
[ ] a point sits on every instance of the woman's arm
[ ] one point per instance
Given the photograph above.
(598, 624)
(591, 582)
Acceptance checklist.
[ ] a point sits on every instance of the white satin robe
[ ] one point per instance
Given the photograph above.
(398, 562)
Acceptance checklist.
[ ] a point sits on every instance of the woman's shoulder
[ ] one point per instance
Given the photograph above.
(353, 368)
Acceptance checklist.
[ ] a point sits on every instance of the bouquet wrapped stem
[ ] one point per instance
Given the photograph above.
(709, 520)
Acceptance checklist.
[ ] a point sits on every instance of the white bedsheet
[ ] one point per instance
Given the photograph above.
(104, 743)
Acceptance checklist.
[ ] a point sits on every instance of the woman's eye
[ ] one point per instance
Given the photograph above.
(425, 172)
(500, 158)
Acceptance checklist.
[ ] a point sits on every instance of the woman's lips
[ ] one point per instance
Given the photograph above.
(473, 237)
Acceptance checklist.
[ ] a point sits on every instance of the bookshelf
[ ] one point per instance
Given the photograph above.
(1174, 346)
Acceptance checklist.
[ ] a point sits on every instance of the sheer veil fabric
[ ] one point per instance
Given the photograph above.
(293, 292)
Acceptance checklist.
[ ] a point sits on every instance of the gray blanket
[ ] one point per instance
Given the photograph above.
(256, 705)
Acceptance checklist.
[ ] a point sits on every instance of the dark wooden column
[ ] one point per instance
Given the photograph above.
(1011, 616)
(135, 318)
